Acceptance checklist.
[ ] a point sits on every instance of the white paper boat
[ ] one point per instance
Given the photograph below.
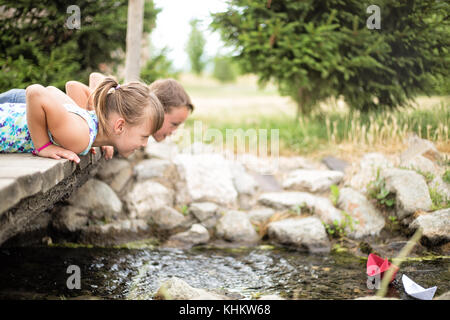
(413, 289)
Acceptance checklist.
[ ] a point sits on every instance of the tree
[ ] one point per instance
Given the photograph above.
(225, 69)
(36, 45)
(317, 49)
(158, 66)
(134, 38)
(195, 48)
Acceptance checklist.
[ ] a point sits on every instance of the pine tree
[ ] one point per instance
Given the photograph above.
(317, 49)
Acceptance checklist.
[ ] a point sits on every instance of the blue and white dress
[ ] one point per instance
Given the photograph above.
(14, 133)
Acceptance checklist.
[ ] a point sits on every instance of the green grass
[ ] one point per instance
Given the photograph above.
(322, 132)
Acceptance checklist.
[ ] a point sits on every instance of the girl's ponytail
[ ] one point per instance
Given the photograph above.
(102, 100)
(133, 101)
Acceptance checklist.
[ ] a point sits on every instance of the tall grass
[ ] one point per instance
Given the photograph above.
(346, 131)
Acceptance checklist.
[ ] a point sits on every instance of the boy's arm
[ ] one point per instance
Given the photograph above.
(80, 93)
(95, 79)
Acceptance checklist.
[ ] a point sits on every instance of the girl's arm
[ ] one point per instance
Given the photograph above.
(45, 112)
(80, 93)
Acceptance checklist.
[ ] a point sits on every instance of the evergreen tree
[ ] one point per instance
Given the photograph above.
(37, 46)
(195, 48)
(317, 49)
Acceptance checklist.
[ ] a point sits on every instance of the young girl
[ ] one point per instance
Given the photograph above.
(51, 124)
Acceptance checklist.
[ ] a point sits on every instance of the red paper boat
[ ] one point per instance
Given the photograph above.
(376, 265)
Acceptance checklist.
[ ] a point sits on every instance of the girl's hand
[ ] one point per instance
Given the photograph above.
(108, 151)
(56, 152)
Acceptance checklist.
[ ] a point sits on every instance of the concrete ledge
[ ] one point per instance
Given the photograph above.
(30, 185)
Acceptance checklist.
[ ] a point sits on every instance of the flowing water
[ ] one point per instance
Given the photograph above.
(241, 273)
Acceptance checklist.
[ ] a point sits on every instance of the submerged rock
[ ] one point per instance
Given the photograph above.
(177, 289)
(303, 233)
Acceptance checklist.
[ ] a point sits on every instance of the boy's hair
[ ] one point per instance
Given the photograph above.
(171, 94)
(133, 101)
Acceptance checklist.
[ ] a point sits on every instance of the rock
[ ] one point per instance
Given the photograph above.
(152, 168)
(303, 233)
(441, 187)
(235, 226)
(312, 180)
(258, 216)
(320, 206)
(422, 147)
(176, 289)
(370, 221)
(165, 150)
(116, 173)
(70, 219)
(336, 164)
(260, 165)
(411, 191)
(444, 296)
(114, 233)
(435, 226)
(420, 164)
(243, 182)
(97, 197)
(205, 212)
(197, 234)
(291, 163)
(360, 174)
(375, 298)
(206, 177)
(270, 297)
(167, 218)
(147, 197)
(266, 182)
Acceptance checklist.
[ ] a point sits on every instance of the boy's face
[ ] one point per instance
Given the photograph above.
(172, 120)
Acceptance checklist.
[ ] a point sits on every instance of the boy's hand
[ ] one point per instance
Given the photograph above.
(56, 152)
(108, 151)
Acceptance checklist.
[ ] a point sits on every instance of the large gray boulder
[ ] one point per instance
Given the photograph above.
(70, 219)
(167, 218)
(98, 198)
(147, 197)
(421, 147)
(370, 220)
(235, 226)
(435, 226)
(205, 178)
(361, 173)
(303, 233)
(411, 191)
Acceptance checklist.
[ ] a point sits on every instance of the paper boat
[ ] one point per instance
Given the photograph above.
(413, 289)
(376, 265)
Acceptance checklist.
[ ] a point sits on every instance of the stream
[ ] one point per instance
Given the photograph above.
(247, 273)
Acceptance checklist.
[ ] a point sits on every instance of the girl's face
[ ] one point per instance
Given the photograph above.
(172, 120)
(127, 139)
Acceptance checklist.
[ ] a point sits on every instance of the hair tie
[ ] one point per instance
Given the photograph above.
(117, 87)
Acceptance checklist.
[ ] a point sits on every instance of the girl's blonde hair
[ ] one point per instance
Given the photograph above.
(133, 101)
